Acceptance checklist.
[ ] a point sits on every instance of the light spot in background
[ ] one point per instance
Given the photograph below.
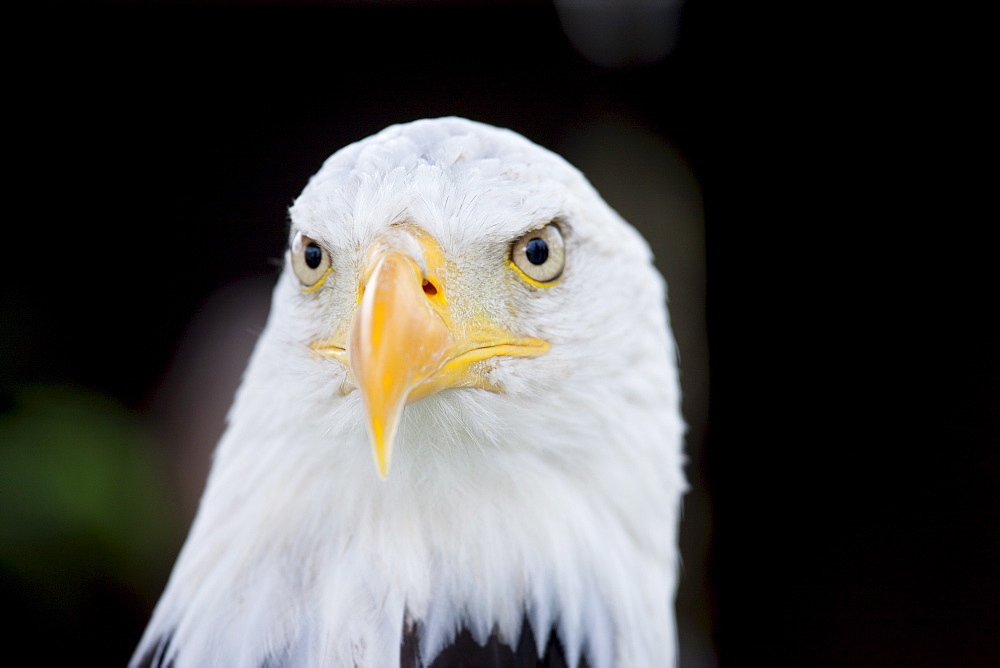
(614, 33)
(188, 407)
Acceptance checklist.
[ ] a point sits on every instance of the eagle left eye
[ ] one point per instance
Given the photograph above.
(540, 254)
(310, 262)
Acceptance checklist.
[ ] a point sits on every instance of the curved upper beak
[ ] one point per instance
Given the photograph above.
(403, 343)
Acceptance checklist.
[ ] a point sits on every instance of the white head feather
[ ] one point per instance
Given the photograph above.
(558, 497)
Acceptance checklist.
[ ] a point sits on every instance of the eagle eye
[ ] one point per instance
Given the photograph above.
(310, 262)
(540, 254)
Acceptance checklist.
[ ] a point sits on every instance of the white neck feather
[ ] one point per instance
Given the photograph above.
(300, 552)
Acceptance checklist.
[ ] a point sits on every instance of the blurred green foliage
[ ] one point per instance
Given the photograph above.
(86, 532)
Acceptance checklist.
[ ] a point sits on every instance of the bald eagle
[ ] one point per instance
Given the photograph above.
(458, 440)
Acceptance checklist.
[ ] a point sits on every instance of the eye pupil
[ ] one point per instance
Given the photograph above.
(313, 255)
(537, 251)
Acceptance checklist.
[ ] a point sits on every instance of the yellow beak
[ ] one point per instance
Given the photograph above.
(403, 344)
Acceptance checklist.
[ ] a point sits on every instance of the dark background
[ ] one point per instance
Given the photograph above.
(845, 504)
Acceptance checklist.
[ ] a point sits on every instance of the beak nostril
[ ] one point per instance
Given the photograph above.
(429, 288)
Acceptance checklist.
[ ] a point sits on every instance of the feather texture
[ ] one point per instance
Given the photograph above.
(547, 510)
